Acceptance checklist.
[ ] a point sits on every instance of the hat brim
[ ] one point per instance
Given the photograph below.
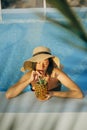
(38, 58)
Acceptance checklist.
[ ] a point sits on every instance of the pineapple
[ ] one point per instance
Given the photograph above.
(41, 89)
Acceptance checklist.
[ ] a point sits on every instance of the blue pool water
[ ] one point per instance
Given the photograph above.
(22, 30)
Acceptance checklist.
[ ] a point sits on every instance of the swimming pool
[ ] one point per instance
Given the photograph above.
(21, 30)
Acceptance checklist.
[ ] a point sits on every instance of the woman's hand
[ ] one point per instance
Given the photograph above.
(34, 76)
(48, 96)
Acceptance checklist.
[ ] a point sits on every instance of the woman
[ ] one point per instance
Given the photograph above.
(44, 64)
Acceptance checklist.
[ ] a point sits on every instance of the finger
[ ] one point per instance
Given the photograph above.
(38, 73)
(36, 77)
(33, 72)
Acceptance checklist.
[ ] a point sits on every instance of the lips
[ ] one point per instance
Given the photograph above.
(40, 71)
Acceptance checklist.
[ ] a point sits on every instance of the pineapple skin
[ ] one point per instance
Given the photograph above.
(40, 91)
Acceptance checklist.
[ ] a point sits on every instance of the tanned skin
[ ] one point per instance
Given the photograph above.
(52, 79)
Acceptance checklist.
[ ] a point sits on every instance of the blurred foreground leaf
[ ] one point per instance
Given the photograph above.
(74, 23)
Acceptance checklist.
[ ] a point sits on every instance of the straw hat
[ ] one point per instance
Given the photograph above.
(39, 54)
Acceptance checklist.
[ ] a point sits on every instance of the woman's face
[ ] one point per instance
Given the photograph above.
(43, 65)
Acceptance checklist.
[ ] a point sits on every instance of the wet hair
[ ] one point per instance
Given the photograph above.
(50, 66)
(34, 65)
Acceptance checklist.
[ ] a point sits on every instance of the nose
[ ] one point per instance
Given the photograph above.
(42, 65)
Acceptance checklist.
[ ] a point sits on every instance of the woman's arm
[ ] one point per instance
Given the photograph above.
(74, 90)
(17, 88)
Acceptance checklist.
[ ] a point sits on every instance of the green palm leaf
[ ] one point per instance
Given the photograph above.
(74, 23)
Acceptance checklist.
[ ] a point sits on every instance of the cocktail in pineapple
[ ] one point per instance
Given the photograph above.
(41, 89)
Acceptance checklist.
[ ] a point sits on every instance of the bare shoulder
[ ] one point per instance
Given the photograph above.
(25, 76)
(60, 75)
